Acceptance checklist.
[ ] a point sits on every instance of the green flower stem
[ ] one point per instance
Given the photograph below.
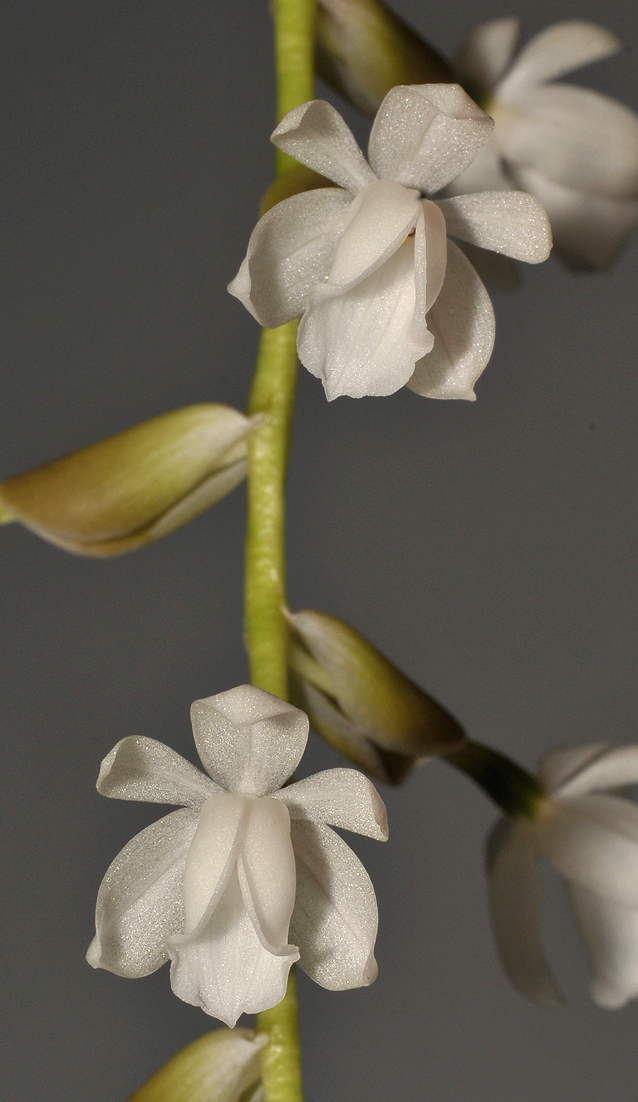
(515, 790)
(281, 1057)
(265, 594)
(265, 588)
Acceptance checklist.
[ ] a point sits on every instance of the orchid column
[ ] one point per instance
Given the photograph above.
(272, 396)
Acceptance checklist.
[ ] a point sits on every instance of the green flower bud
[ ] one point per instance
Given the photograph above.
(135, 487)
(363, 50)
(222, 1066)
(360, 702)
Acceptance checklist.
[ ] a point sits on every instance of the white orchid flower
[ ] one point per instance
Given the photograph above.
(385, 300)
(222, 885)
(592, 839)
(574, 149)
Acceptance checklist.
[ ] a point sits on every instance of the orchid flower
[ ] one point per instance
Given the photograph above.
(384, 298)
(574, 149)
(592, 839)
(248, 877)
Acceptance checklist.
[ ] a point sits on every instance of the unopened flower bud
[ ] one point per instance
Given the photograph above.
(222, 1065)
(360, 702)
(364, 50)
(135, 487)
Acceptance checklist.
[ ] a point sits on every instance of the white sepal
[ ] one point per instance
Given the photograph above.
(341, 797)
(558, 50)
(516, 894)
(140, 768)
(425, 135)
(610, 932)
(488, 50)
(291, 248)
(335, 916)
(140, 902)
(594, 841)
(316, 136)
(249, 741)
(463, 325)
(509, 222)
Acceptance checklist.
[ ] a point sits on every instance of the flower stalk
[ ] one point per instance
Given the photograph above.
(273, 395)
(510, 786)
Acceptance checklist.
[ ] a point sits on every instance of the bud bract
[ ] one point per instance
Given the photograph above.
(364, 50)
(360, 702)
(135, 487)
(222, 1066)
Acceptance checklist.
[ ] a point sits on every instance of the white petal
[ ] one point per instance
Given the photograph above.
(249, 741)
(594, 841)
(488, 50)
(212, 855)
(510, 222)
(367, 340)
(486, 173)
(335, 917)
(572, 136)
(610, 767)
(516, 894)
(559, 766)
(316, 136)
(610, 932)
(224, 967)
(424, 135)
(588, 229)
(140, 904)
(378, 221)
(290, 250)
(462, 321)
(558, 50)
(341, 797)
(139, 768)
(267, 871)
(434, 262)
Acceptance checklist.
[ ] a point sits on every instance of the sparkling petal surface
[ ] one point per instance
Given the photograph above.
(367, 340)
(342, 797)
(140, 903)
(267, 870)
(488, 50)
(249, 741)
(290, 250)
(462, 321)
(223, 967)
(594, 841)
(510, 222)
(516, 894)
(558, 50)
(425, 135)
(378, 221)
(588, 230)
(335, 917)
(316, 136)
(573, 137)
(610, 932)
(139, 768)
(212, 855)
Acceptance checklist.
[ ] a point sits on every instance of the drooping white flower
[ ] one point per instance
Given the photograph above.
(591, 837)
(248, 877)
(574, 149)
(385, 299)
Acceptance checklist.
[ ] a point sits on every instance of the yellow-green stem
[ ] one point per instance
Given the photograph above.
(265, 590)
(272, 396)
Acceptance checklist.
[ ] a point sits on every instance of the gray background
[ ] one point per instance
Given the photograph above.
(488, 548)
